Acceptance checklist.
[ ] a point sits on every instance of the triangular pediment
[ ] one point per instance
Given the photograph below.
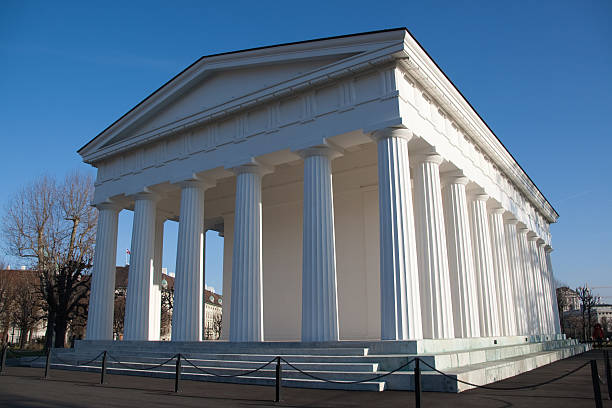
(233, 80)
(219, 87)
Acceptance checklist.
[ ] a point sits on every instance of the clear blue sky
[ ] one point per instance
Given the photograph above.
(538, 72)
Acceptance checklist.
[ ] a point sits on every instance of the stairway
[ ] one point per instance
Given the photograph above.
(342, 362)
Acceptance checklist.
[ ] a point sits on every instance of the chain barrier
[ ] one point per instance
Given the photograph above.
(230, 375)
(16, 355)
(140, 368)
(346, 382)
(508, 388)
(596, 377)
(55, 357)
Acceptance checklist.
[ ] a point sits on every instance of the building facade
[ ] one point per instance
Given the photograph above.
(360, 194)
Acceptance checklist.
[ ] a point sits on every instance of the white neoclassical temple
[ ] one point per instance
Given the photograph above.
(361, 197)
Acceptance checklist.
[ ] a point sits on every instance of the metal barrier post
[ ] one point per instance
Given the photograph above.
(103, 372)
(47, 364)
(596, 389)
(417, 382)
(608, 373)
(3, 359)
(279, 373)
(177, 379)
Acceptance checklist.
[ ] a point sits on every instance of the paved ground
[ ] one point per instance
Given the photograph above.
(23, 387)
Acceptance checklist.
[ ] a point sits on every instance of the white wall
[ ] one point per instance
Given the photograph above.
(357, 252)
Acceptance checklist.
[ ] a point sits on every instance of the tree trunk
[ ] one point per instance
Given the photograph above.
(23, 336)
(50, 330)
(61, 326)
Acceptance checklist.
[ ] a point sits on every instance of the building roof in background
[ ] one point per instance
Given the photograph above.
(121, 282)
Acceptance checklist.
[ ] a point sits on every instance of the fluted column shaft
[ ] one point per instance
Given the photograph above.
(436, 301)
(529, 288)
(518, 281)
(246, 320)
(503, 278)
(548, 306)
(557, 322)
(537, 283)
(319, 285)
(483, 262)
(155, 304)
(400, 308)
(460, 258)
(189, 278)
(102, 299)
(140, 277)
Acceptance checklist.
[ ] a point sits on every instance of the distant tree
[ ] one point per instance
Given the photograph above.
(119, 314)
(26, 309)
(167, 301)
(7, 299)
(51, 225)
(562, 304)
(587, 302)
(217, 325)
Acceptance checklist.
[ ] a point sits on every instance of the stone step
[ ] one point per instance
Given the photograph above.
(482, 373)
(442, 361)
(252, 379)
(336, 351)
(141, 362)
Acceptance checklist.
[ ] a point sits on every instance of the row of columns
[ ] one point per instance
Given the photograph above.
(449, 265)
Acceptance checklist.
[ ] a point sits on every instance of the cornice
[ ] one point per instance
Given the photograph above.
(417, 62)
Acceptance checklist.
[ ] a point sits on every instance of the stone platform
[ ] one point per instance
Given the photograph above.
(476, 360)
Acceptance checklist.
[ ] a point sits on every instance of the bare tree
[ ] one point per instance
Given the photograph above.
(217, 325)
(52, 226)
(562, 304)
(26, 310)
(587, 302)
(119, 314)
(167, 301)
(7, 287)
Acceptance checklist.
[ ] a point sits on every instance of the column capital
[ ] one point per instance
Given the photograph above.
(497, 210)
(147, 194)
(548, 249)
(540, 241)
(252, 167)
(328, 149)
(196, 181)
(392, 132)
(521, 228)
(428, 155)
(108, 205)
(532, 236)
(509, 218)
(454, 177)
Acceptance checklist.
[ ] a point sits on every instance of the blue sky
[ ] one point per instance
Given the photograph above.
(538, 73)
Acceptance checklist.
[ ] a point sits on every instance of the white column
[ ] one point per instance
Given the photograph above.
(246, 319)
(102, 298)
(140, 276)
(537, 283)
(529, 288)
(189, 278)
(483, 262)
(548, 306)
(460, 256)
(319, 287)
(503, 278)
(155, 304)
(436, 302)
(553, 290)
(516, 270)
(400, 308)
